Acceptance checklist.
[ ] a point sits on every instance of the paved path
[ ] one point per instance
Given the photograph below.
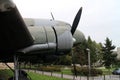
(71, 77)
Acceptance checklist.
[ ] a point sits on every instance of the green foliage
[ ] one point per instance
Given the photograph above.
(49, 68)
(64, 60)
(84, 71)
(107, 50)
(117, 64)
(79, 54)
(5, 74)
(94, 50)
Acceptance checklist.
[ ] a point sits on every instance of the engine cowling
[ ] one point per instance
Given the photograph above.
(56, 40)
(64, 39)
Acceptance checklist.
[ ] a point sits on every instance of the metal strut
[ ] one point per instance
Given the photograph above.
(16, 73)
(9, 67)
(74, 66)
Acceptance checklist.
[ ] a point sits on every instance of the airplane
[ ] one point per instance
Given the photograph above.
(27, 37)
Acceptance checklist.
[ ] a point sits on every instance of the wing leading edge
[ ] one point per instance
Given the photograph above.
(14, 34)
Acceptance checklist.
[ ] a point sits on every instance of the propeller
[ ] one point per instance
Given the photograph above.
(52, 16)
(76, 21)
(73, 29)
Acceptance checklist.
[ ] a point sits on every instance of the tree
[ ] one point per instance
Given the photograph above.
(79, 53)
(94, 50)
(99, 53)
(107, 50)
(65, 60)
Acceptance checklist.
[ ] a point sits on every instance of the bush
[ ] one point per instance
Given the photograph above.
(49, 68)
(84, 71)
(96, 72)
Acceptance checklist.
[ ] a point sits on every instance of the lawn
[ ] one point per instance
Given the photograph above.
(66, 71)
(106, 71)
(5, 74)
(35, 76)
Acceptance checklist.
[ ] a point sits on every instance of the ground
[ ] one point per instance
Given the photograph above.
(3, 66)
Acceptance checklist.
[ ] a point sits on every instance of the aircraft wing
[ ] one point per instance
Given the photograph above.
(14, 34)
(18, 39)
(15, 37)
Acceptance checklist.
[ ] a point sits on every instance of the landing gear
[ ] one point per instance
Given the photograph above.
(18, 73)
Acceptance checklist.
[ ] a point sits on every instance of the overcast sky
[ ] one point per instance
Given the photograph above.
(100, 18)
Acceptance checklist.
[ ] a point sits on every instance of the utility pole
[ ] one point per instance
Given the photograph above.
(89, 67)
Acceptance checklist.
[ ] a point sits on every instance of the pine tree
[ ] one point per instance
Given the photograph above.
(92, 45)
(107, 50)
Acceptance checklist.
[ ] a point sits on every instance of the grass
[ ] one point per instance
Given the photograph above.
(5, 74)
(35, 76)
(106, 71)
(67, 71)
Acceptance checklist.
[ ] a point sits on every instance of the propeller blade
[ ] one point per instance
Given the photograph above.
(52, 16)
(76, 21)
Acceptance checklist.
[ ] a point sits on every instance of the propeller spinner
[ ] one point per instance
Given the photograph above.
(76, 21)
